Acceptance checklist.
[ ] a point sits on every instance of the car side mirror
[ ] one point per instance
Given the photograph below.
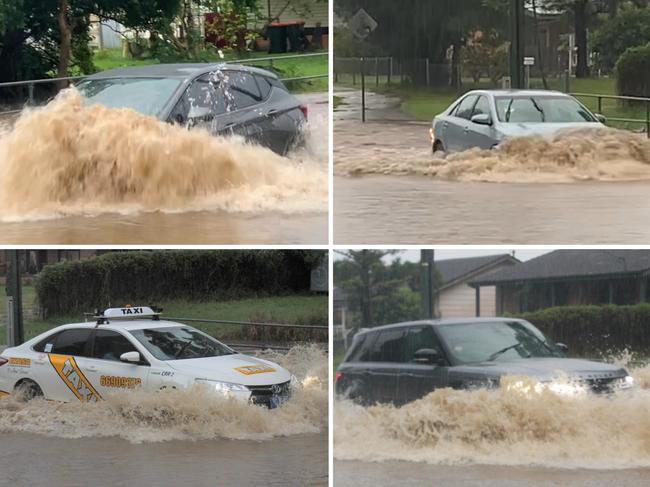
(562, 347)
(601, 118)
(131, 357)
(427, 356)
(482, 119)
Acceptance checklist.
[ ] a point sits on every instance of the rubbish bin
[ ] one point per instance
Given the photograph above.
(277, 35)
(295, 32)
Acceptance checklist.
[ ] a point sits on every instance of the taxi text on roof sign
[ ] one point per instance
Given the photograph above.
(133, 311)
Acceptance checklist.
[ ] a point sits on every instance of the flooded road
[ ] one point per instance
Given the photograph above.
(416, 210)
(184, 437)
(365, 474)
(88, 175)
(577, 188)
(28, 460)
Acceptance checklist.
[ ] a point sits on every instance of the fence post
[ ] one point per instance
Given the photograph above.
(647, 119)
(363, 90)
(427, 72)
(567, 81)
(30, 91)
(376, 71)
(390, 68)
(600, 105)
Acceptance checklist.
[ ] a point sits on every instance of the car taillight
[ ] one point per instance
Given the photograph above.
(3, 361)
(305, 111)
(339, 376)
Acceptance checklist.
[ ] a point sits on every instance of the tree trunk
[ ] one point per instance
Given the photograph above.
(66, 42)
(540, 59)
(580, 19)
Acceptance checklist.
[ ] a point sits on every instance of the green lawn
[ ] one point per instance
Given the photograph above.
(425, 103)
(289, 68)
(286, 309)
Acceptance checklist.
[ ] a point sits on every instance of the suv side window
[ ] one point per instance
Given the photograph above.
(465, 107)
(244, 89)
(109, 345)
(203, 93)
(389, 346)
(357, 348)
(482, 106)
(421, 337)
(264, 84)
(73, 342)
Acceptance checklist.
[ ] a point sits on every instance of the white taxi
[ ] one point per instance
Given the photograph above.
(132, 348)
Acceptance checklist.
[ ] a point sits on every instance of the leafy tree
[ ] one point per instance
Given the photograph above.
(629, 28)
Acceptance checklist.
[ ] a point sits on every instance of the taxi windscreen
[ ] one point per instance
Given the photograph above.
(179, 342)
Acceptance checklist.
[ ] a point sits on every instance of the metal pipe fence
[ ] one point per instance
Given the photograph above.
(619, 98)
(32, 98)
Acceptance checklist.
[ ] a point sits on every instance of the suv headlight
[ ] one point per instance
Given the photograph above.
(224, 387)
(623, 383)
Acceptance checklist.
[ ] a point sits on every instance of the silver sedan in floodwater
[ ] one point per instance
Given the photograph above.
(485, 118)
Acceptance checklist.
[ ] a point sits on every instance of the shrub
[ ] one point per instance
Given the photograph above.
(633, 72)
(142, 277)
(596, 330)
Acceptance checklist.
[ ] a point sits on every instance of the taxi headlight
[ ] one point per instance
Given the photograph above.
(224, 387)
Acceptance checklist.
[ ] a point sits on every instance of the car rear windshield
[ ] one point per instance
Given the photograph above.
(145, 95)
(541, 109)
(180, 342)
(495, 340)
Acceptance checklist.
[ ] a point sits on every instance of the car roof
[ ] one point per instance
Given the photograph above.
(513, 92)
(122, 324)
(448, 321)
(180, 71)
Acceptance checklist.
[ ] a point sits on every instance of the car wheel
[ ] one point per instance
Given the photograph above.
(438, 147)
(26, 390)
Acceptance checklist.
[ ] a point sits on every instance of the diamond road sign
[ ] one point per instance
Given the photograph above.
(362, 24)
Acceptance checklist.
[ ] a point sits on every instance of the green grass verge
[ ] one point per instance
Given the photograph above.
(425, 103)
(289, 68)
(284, 309)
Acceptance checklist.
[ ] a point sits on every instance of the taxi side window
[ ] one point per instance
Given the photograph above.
(109, 345)
(45, 345)
(73, 342)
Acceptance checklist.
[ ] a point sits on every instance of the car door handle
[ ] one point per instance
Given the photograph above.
(272, 111)
(92, 368)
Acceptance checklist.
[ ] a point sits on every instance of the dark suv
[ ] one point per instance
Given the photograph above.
(405, 361)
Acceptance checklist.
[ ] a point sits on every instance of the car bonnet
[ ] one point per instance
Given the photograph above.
(544, 369)
(237, 368)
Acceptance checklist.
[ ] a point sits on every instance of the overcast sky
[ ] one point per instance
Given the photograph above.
(413, 255)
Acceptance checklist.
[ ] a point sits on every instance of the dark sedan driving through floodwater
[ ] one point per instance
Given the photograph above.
(224, 98)
(406, 361)
(485, 118)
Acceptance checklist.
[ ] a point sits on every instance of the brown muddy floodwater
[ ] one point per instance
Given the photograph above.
(189, 437)
(79, 174)
(578, 187)
(519, 434)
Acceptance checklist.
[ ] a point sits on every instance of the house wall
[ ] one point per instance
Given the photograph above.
(318, 12)
(459, 301)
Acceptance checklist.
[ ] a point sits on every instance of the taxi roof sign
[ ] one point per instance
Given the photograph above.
(128, 312)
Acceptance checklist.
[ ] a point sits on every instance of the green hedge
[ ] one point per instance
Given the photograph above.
(143, 277)
(596, 330)
(633, 72)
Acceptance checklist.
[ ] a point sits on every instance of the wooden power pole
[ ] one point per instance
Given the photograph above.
(15, 334)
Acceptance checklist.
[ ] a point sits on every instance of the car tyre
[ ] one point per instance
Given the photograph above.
(438, 147)
(26, 390)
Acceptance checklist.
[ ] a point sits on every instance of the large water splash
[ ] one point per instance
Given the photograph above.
(68, 158)
(195, 413)
(509, 426)
(569, 156)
